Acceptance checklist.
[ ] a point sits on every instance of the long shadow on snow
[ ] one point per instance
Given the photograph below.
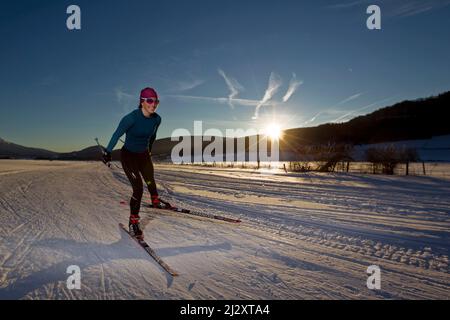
(89, 254)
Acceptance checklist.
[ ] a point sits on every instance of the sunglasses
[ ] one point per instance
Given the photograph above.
(151, 100)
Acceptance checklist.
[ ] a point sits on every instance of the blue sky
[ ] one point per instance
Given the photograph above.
(231, 64)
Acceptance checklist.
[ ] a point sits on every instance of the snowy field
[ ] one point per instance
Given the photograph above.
(305, 236)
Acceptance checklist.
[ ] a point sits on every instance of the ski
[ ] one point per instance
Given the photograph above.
(151, 252)
(168, 206)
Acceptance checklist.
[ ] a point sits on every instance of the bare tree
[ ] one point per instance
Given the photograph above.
(385, 159)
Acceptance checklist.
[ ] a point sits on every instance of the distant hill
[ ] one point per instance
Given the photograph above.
(12, 150)
(90, 153)
(406, 120)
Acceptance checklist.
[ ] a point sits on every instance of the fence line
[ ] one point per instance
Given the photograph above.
(438, 169)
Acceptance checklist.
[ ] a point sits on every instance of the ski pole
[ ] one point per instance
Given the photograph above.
(103, 151)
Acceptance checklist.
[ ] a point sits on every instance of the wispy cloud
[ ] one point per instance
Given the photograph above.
(122, 95)
(242, 102)
(233, 85)
(235, 88)
(305, 123)
(188, 85)
(324, 114)
(293, 86)
(272, 88)
(331, 110)
(396, 8)
(125, 99)
(353, 97)
(355, 112)
(347, 4)
(412, 8)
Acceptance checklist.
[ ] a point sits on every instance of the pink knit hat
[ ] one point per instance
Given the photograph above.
(149, 93)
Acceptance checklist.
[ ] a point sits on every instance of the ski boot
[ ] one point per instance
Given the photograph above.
(156, 203)
(135, 227)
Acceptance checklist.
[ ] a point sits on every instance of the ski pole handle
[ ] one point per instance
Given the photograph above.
(104, 152)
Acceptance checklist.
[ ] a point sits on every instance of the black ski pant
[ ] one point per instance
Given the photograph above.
(136, 167)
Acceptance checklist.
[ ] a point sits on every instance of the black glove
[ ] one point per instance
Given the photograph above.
(106, 157)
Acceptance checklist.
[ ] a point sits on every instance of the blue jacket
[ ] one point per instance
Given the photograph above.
(140, 131)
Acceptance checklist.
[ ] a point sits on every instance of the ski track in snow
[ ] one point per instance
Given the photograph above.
(305, 236)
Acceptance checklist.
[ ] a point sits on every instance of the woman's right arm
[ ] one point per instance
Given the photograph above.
(124, 125)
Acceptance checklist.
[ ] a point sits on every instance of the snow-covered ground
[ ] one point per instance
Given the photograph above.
(306, 236)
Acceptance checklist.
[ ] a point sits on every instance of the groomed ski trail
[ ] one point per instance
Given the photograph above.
(302, 237)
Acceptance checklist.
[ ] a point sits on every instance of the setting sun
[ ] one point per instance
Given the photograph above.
(273, 131)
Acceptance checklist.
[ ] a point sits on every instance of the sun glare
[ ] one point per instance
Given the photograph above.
(273, 131)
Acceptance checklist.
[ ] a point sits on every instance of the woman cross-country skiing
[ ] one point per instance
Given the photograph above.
(140, 127)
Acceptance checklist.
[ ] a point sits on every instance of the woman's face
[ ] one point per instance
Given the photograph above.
(150, 105)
